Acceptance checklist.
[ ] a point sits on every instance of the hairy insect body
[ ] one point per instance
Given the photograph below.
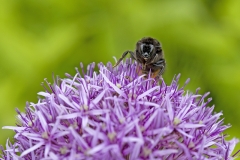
(149, 55)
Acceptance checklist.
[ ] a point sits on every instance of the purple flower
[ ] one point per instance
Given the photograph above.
(117, 114)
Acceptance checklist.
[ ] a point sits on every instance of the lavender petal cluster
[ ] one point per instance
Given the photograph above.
(116, 114)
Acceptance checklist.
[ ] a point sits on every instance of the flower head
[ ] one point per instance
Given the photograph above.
(117, 114)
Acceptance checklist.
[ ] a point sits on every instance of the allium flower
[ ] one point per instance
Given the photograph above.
(117, 114)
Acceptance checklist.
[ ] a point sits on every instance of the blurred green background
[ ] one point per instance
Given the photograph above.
(201, 40)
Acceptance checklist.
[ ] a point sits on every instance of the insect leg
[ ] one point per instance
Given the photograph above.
(123, 56)
(161, 64)
(133, 56)
(153, 60)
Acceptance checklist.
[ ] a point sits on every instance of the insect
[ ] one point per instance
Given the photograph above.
(149, 54)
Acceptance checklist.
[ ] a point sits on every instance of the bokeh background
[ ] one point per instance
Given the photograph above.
(201, 40)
